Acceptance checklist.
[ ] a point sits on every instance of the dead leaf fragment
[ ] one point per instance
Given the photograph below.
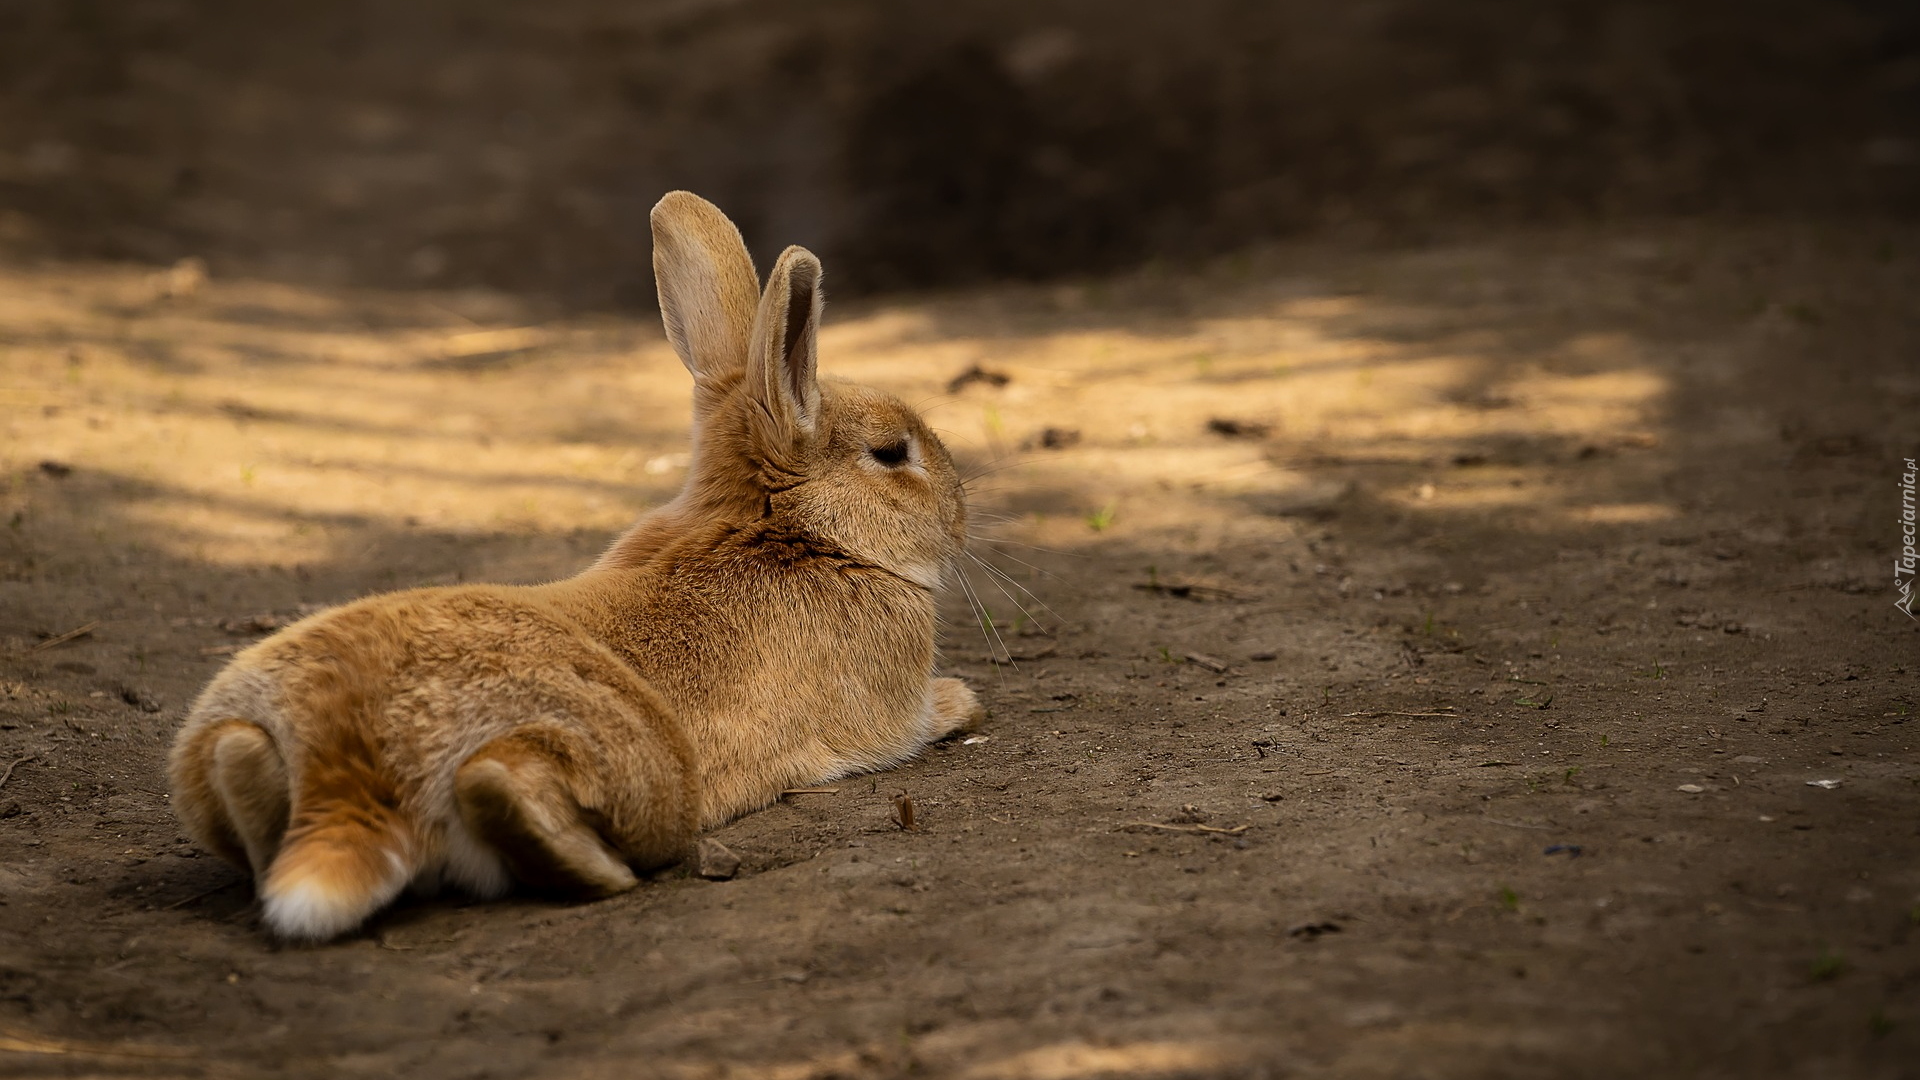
(903, 812)
(1238, 429)
(977, 374)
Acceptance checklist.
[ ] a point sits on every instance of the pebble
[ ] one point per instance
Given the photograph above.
(715, 861)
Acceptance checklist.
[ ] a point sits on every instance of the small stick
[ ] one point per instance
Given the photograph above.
(1218, 667)
(62, 639)
(21, 1042)
(810, 791)
(1370, 715)
(8, 775)
(1235, 831)
(202, 895)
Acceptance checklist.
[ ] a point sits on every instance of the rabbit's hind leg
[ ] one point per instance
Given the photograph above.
(252, 781)
(232, 786)
(519, 795)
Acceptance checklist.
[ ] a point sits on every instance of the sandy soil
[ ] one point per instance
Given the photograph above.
(1403, 662)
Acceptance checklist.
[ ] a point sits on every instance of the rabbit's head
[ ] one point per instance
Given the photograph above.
(836, 462)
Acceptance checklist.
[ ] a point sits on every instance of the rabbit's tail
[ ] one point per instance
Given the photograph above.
(349, 850)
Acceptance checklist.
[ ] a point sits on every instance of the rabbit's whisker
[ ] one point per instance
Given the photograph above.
(1017, 605)
(996, 541)
(1002, 575)
(1050, 575)
(984, 619)
(979, 471)
(995, 518)
(989, 630)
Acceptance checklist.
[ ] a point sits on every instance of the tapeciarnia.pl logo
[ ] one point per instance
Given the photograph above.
(1903, 566)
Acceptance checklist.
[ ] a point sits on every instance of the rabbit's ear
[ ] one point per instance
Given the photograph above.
(708, 290)
(781, 357)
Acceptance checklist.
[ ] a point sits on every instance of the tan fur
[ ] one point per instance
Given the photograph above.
(772, 626)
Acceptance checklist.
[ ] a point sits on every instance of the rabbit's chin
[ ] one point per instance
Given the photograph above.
(929, 575)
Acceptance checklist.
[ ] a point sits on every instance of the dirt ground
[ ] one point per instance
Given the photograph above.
(1402, 662)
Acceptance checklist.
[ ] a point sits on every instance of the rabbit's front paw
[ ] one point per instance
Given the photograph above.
(955, 708)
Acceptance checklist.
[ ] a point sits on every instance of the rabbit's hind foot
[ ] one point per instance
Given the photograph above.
(233, 788)
(514, 795)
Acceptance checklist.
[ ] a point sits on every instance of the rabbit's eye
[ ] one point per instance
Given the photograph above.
(891, 454)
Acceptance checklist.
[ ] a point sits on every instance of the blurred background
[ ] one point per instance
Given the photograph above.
(519, 145)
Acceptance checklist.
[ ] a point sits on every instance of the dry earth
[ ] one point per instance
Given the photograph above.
(1428, 657)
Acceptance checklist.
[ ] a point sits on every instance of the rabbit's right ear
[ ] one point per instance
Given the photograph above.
(708, 292)
(782, 358)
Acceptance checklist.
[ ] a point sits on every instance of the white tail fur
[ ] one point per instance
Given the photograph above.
(330, 876)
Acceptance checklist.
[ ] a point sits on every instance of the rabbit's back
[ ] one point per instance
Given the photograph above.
(429, 675)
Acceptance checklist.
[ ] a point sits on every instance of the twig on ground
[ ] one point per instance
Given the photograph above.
(21, 1042)
(810, 791)
(1010, 658)
(62, 639)
(1370, 715)
(202, 895)
(1235, 831)
(8, 775)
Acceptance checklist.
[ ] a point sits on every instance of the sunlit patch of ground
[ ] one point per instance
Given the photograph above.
(266, 423)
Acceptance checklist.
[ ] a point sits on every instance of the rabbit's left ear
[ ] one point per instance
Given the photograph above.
(707, 292)
(782, 354)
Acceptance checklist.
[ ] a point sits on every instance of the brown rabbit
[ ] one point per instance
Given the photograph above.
(772, 626)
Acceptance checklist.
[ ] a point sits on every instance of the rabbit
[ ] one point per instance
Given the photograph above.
(770, 627)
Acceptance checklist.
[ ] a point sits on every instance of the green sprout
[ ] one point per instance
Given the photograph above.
(1102, 519)
(1828, 965)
